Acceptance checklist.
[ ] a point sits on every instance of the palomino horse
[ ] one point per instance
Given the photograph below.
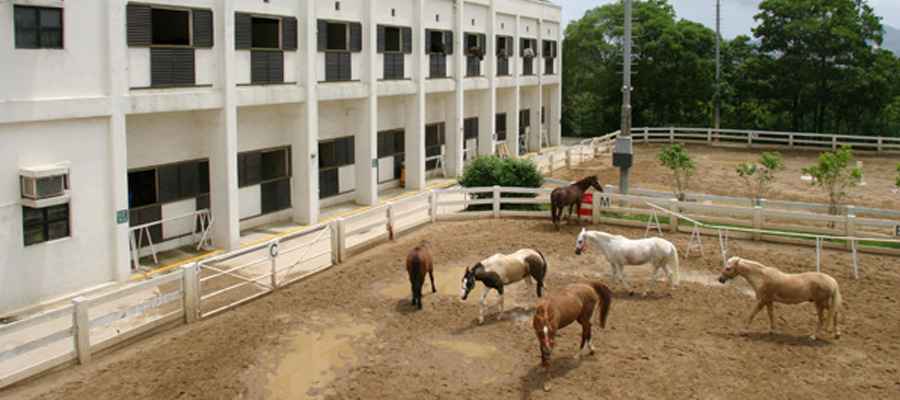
(570, 196)
(502, 269)
(773, 285)
(621, 251)
(419, 261)
(575, 302)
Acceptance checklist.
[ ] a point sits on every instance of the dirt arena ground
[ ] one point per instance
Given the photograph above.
(350, 332)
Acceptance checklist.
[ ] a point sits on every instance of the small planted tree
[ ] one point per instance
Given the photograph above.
(759, 175)
(897, 183)
(676, 158)
(834, 174)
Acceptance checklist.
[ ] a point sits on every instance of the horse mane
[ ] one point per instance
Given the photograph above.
(586, 179)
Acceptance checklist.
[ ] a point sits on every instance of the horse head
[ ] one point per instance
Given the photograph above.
(581, 243)
(596, 183)
(468, 282)
(543, 329)
(730, 271)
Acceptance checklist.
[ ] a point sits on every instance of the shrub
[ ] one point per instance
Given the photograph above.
(489, 170)
(676, 158)
(834, 174)
(757, 177)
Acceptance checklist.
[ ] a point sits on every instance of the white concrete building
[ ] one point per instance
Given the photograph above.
(116, 114)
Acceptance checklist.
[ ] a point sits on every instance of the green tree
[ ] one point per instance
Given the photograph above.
(759, 175)
(676, 158)
(897, 182)
(816, 52)
(834, 174)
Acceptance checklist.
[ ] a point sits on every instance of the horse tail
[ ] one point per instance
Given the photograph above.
(673, 261)
(605, 298)
(831, 319)
(415, 267)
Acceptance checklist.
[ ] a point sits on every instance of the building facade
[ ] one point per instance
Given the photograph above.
(118, 114)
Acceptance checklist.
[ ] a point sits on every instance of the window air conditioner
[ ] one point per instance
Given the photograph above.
(44, 181)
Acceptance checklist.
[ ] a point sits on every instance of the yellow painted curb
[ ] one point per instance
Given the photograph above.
(177, 264)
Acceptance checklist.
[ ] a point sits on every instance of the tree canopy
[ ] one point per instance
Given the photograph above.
(813, 66)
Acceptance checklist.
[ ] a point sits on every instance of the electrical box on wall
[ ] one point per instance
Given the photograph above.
(623, 156)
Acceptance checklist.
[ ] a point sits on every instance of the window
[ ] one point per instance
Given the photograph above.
(266, 38)
(504, 49)
(172, 35)
(393, 42)
(438, 44)
(44, 224)
(528, 52)
(392, 39)
(390, 154)
(549, 56)
(333, 154)
(270, 169)
(168, 183)
(434, 143)
(500, 126)
(475, 50)
(470, 135)
(338, 40)
(38, 27)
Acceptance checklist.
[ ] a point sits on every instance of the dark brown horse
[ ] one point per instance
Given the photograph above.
(420, 261)
(571, 196)
(575, 302)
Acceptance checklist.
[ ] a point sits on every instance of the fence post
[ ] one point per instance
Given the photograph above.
(791, 141)
(880, 143)
(568, 158)
(671, 134)
(273, 256)
(190, 292)
(550, 156)
(757, 222)
(433, 200)
(850, 224)
(496, 200)
(341, 240)
(390, 218)
(335, 242)
(646, 135)
(709, 136)
(673, 218)
(595, 208)
(834, 143)
(82, 326)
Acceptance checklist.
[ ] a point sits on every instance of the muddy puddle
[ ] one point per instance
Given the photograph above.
(311, 356)
(481, 354)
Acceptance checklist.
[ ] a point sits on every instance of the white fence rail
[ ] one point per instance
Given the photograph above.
(72, 333)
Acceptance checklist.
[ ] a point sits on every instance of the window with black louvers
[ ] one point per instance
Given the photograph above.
(333, 154)
(172, 35)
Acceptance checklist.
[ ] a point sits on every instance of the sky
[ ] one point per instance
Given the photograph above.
(737, 15)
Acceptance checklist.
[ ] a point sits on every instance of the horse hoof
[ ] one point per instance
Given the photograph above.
(630, 293)
(812, 337)
(744, 333)
(480, 321)
(644, 294)
(546, 387)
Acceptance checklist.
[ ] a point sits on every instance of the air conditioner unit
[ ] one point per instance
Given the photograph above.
(44, 181)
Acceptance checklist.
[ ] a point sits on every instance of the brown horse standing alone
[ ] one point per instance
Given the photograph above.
(575, 302)
(571, 196)
(419, 261)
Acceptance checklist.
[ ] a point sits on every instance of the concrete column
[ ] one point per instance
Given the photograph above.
(455, 110)
(118, 141)
(223, 142)
(414, 134)
(537, 101)
(487, 107)
(304, 141)
(366, 143)
(512, 119)
(554, 110)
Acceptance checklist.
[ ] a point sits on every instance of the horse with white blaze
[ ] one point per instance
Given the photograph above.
(621, 251)
(502, 269)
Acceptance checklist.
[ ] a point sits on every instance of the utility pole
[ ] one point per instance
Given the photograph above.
(623, 156)
(718, 103)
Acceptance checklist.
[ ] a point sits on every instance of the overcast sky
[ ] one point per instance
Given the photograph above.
(737, 15)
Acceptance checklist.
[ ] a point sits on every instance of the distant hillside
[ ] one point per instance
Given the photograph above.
(891, 40)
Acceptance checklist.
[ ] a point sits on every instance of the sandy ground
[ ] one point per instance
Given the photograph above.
(351, 333)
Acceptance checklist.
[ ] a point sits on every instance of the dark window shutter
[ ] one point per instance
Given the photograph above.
(169, 186)
(184, 66)
(259, 65)
(482, 40)
(276, 66)
(322, 35)
(344, 62)
(554, 49)
(510, 46)
(289, 33)
(407, 40)
(331, 66)
(189, 179)
(522, 47)
(427, 41)
(161, 67)
(203, 27)
(243, 31)
(448, 42)
(140, 27)
(355, 36)
(380, 36)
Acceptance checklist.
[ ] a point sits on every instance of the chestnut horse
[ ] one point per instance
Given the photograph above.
(772, 285)
(502, 269)
(571, 196)
(420, 261)
(575, 302)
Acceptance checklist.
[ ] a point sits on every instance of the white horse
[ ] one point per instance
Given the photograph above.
(502, 269)
(621, 251)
